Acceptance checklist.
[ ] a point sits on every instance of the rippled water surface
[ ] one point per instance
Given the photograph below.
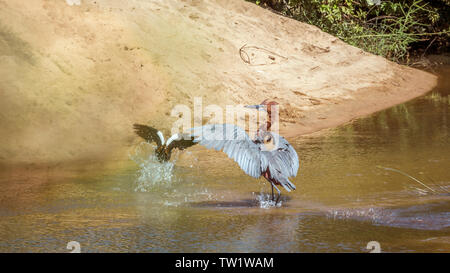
(203, 202)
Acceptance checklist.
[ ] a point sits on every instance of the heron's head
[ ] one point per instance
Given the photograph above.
(266, 105)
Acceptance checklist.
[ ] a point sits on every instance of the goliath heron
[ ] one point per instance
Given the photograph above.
(255, 159)
(164, 149)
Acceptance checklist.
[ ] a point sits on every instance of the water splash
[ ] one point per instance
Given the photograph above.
(375, 215)
(265, 201)
(171, 204)
(152, 173)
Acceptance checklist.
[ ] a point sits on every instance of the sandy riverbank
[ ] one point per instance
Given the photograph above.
(74, 78)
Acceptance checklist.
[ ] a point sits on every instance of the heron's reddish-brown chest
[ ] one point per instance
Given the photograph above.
(267, 176)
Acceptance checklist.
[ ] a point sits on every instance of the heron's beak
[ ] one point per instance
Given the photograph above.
(257, 107)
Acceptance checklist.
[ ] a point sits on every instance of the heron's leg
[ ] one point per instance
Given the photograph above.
(272, 192)
(271, 185)
(279, 194)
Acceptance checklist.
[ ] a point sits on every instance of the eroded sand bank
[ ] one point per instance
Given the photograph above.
(74, 78)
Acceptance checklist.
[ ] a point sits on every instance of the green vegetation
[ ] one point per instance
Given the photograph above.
(392, 29)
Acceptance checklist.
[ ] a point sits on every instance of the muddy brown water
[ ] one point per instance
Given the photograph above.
(205, 203)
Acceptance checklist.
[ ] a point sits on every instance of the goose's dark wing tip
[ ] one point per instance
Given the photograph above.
(148, 133)
(140, 128)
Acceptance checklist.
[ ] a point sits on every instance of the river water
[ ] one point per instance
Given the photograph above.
(349, 192)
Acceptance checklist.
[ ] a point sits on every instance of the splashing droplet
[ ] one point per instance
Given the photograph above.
(152, 173)
(265, 201)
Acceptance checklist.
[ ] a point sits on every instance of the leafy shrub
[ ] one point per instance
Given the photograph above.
(389, 28)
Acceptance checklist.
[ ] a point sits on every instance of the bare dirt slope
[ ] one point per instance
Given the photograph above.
(74, 78)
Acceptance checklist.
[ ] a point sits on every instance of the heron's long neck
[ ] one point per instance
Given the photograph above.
(266, 126)
(269, 119)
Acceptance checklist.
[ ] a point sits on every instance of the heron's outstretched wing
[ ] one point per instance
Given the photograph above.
(235, 142)
(180, 141)
(253, 158)
(283, 156)
(282, 161)
(149, 133)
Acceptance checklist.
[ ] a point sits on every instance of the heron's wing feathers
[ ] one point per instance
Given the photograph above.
(235, 142)
(282, 161)
(181, 142)
(288, 185)
(283, 156)
(148, 133)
